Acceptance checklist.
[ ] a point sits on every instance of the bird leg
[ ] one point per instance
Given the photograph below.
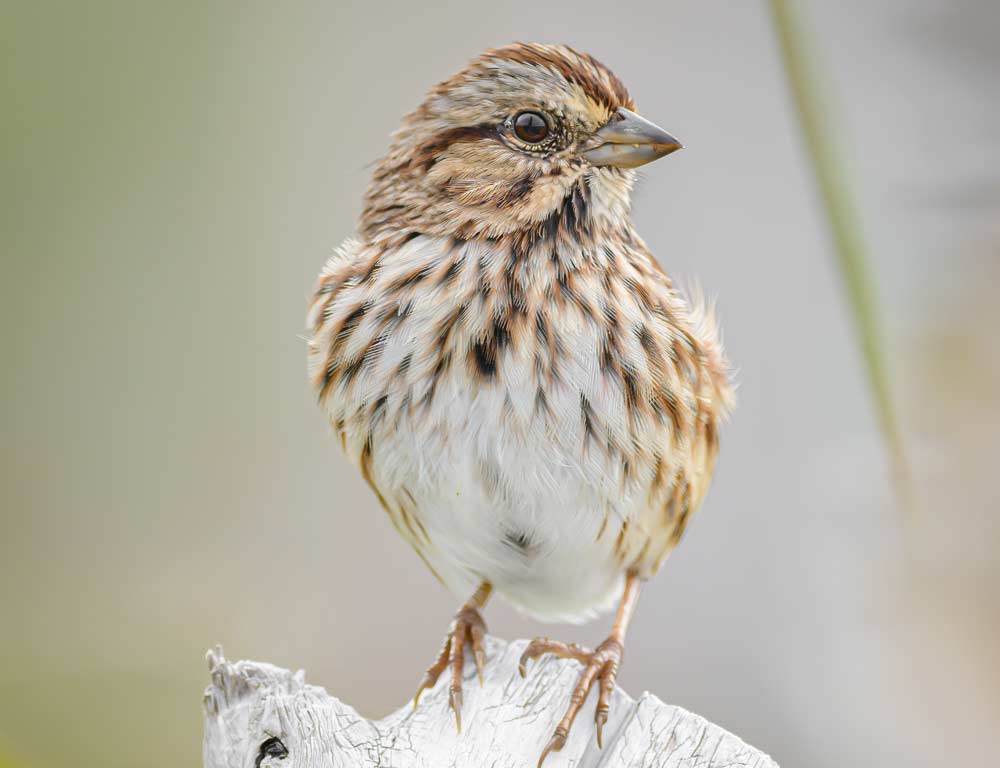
(601, 663)
(467, 626)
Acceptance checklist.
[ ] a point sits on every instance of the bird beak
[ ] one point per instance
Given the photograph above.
(628, 141)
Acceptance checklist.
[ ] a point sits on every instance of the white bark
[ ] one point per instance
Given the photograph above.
(505, 724)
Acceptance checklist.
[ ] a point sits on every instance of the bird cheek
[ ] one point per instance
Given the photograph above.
(445, 171)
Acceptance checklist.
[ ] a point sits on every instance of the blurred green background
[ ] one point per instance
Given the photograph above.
(175, 174)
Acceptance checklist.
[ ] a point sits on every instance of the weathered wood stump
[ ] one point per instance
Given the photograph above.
(260, 716)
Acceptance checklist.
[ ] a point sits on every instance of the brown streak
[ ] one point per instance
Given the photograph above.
(581, 72)
(427, 153)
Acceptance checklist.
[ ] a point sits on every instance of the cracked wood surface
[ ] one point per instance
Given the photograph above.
(260, 716)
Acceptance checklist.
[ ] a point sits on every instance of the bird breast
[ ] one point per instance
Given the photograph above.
(540, 416)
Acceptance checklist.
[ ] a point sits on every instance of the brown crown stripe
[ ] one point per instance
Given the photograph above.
(578, 68)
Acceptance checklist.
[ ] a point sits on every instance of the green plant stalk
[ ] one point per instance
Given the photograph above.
(842, 215)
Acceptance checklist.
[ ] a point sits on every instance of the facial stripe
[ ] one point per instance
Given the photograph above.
(429, 151)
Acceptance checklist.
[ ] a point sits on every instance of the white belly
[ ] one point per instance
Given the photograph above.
(518, 506)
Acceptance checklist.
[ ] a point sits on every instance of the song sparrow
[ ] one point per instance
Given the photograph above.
(531, 400)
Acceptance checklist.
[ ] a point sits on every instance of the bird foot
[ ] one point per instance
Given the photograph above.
(599, 664)
(467, 627)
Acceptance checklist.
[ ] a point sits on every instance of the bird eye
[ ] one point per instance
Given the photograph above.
(271, 748)
(531, 127)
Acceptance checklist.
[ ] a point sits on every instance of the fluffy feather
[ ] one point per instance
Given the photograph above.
(531, 400)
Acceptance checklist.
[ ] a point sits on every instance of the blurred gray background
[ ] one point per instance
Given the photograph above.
(174, 176)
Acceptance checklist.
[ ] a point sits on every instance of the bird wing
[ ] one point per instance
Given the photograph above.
(690, 381)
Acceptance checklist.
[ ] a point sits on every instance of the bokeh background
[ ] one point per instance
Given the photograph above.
(173, 177)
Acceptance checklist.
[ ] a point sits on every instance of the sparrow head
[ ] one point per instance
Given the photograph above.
(526, 139)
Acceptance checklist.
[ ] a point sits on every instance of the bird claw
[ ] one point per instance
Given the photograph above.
(556, 743)
(542, 645)
(600, 664)
(479, 655)
(469, 628)
(600, 719)
(455, 702)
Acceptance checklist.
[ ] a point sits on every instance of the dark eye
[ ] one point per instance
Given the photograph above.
(271, 748)
(531, 127)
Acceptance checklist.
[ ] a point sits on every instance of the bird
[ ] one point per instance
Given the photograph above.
(532, 400)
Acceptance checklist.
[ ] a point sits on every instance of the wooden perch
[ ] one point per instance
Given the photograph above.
(260, 716)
